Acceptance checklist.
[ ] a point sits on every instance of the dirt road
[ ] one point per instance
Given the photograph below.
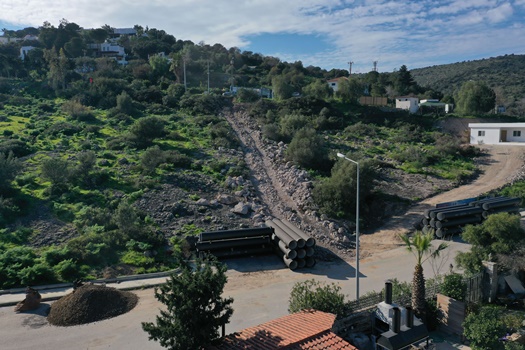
(502, 164)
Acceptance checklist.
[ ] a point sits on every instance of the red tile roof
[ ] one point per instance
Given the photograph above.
(299, 331)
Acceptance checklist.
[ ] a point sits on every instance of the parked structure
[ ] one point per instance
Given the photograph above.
(496, 133)
(409, 103)
(334, 83)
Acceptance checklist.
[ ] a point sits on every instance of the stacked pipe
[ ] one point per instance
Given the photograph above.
(233, 243)
(450, 220)
(294, 246)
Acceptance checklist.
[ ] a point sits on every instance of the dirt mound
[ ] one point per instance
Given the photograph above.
(90, 303)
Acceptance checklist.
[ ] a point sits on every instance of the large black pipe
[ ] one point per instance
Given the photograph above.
(443, 232)
(310, 251)
(434, 212)
(459, 213)
(241, 233)
(232, 243)
(410, 316)
(427, 229)
(310, 261)
(242, 251)
(301, 263)
(502, 203)
(310, 241)
(283, 236)
(290, 263)
(301, 243)
(289, 253)
(432, 223)
(388, 292)
(301, 253)
(396, 320)
(461, 221)
(510, 209)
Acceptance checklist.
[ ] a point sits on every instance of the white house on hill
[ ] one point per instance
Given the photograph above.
(409, 103)
(334, 83)
(496, 133)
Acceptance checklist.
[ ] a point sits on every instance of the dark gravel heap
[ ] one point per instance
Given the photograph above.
(90, 303)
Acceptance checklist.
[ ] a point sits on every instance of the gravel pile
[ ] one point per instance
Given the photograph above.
(90, 303)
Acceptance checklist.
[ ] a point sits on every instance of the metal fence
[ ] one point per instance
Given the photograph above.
(474, 295)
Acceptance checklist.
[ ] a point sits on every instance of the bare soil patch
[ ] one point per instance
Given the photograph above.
(90, 303)
(502, 164)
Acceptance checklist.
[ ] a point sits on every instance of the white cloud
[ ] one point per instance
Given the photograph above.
(394, 32)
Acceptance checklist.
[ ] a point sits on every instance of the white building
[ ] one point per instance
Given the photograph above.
(334, 83)
(408, 103)
(24, 50)
(496, 133)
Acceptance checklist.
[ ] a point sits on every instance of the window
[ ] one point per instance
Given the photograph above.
(516, 133)
(481, 133)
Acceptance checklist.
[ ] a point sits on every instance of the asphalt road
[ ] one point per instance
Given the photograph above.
(260, 288)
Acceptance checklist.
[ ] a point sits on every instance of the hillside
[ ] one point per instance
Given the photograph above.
(504, 74)
(112, 166)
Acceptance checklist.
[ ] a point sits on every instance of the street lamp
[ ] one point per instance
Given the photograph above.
(340, 155)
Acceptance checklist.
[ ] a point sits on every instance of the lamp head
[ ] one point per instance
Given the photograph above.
(340, 155)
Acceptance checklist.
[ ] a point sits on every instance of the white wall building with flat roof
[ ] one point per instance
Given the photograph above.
(409, 103)
(496, 133)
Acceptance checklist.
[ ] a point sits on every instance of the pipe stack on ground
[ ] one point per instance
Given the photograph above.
(232, 243)
(294, 246)
(451, 220)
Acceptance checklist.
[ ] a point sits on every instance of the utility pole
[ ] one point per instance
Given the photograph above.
(350, 67)
(184, 68)
(208, 76)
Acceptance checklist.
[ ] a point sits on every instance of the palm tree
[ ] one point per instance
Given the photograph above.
(421, 246)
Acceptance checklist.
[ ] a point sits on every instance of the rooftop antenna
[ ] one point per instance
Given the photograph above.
(350, 67)
(375, 66)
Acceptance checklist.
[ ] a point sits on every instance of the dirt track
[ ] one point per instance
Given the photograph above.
(502, 164)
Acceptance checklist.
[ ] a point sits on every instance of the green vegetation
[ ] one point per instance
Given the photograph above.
(312, 294)
(195, 309)
(84, 139)
(500, 234)
(420, 245)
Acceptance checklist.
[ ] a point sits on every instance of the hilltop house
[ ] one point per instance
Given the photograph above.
(496, 133)
(24, 50)
(108, 49)
(409, 103)
(334, 83)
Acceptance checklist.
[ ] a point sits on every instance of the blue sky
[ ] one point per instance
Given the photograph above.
(325, 33)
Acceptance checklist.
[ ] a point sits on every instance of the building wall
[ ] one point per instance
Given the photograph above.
(408, 103)
(487, 136)
(493, 133)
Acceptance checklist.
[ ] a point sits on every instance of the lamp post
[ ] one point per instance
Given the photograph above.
(340, 155)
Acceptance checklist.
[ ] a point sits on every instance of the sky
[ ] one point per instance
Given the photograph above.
(324, 33)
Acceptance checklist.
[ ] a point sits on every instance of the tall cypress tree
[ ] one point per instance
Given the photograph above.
(195, 309)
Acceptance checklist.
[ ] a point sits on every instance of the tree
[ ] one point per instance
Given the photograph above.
(281, 88)
(484, 328)
(56, 170)
(9, 167)
(319, 89)
(312, 294)
(499, 234)
(475, 98)
(145, 130)
(308, 150)
(403, 81)
(454, 287)
(421, 246)
(195, 309)
(349, 90)
(58, 64)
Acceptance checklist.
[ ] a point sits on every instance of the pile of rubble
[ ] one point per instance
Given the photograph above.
(90, 303)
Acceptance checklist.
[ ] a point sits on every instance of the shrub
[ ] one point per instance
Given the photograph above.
(484, 328)
(152, 158)
(454, 287)
(312, 294)
(77, 111)
(307, 149)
